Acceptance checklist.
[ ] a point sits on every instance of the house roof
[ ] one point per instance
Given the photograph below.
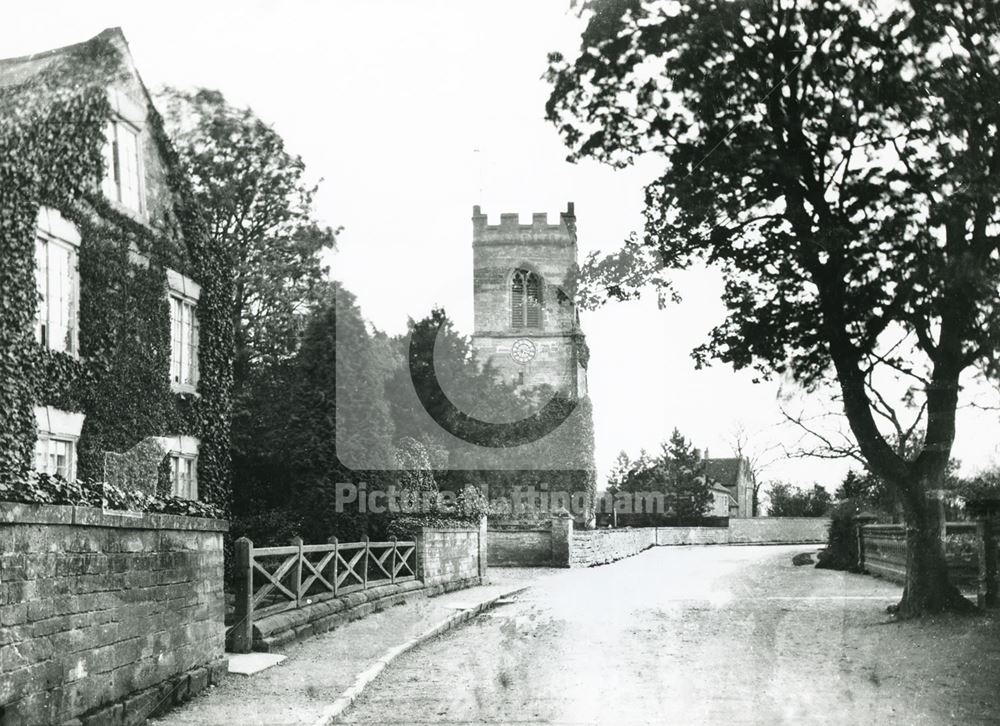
(717, 487)
(724, 471)
(20, 70)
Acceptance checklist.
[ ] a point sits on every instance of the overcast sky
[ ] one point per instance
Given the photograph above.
(411, 111)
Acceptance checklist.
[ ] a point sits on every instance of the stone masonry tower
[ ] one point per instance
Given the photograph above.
(524, 281)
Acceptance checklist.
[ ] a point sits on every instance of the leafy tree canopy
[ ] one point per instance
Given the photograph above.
(839, 161)
(259, 207)
(790, 501)
(678, 472)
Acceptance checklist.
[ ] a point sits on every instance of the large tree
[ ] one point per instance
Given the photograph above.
(839, 161)
(259, 206)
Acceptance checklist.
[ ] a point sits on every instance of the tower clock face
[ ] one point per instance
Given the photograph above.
(522, 351)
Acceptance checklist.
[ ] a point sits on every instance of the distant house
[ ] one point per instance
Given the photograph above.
(115, 333)
(733, 475)
(723, 502)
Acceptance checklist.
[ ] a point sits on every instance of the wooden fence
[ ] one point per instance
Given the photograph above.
(272, 579)
(970, 550)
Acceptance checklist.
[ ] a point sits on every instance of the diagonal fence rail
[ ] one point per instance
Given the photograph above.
(273, 579)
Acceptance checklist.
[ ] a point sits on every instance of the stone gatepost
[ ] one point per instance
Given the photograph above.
(562, 537)
(483, 575)
(861, 520)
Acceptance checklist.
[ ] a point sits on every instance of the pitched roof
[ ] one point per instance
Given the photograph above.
(724, 471)
(20, 70)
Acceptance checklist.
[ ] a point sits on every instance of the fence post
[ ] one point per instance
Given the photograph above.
(392, 562)
(297, 542)
(364, 585)
(859, 535)
(987, 590)
(336, 565)
(242, 632)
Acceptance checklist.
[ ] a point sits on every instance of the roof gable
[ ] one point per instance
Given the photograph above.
(104, 62)
(725, 471)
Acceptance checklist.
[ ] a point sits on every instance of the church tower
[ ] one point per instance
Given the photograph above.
(524, 282)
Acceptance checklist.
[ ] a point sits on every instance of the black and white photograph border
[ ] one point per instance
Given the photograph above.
(480, 362)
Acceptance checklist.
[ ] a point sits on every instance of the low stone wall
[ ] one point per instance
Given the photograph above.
(667, 536)
(453, 554)
(520, 546)
(562, 545)
(779, 530)
(106, 617)
(600, 546)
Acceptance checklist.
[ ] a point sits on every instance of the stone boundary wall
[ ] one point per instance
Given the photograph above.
(668, 536)
(450, 554)
(601, 546)
(755, 530)
(520, 546)
(106, 618)
(779, 530)
(561, 545)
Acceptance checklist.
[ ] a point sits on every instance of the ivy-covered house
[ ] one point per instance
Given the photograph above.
(115, 342)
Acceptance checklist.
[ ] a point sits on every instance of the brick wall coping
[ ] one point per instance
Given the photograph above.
(20, 513)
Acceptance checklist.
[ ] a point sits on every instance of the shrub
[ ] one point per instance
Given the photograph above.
(841, 552)
(34, 488)
(469, 507)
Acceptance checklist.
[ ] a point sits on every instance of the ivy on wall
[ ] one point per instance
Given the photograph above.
(51, 137)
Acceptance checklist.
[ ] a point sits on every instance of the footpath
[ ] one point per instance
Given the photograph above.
(323, 674)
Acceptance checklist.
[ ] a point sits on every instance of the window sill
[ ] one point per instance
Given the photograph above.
(123, 209)
(55, 351)
(185, 390)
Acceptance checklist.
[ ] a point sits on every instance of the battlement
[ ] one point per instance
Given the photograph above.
(511, 231)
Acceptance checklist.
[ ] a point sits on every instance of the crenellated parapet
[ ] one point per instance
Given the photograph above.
(511, 231)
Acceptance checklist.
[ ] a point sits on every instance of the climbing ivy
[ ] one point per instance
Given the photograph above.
(51, 136)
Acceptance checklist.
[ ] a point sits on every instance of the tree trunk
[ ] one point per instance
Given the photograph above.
(928, 587)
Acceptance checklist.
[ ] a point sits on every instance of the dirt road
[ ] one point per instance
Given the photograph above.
(698, 635)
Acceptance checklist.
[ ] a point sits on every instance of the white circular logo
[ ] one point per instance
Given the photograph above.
(522, 351)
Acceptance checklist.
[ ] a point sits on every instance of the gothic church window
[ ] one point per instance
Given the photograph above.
(525, 300)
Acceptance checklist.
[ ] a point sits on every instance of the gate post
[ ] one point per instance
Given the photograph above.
(860, 521)
(419, 546)
(562, 538)
(242, 632)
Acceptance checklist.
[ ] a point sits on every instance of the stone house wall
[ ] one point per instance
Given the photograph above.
(106, 617)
